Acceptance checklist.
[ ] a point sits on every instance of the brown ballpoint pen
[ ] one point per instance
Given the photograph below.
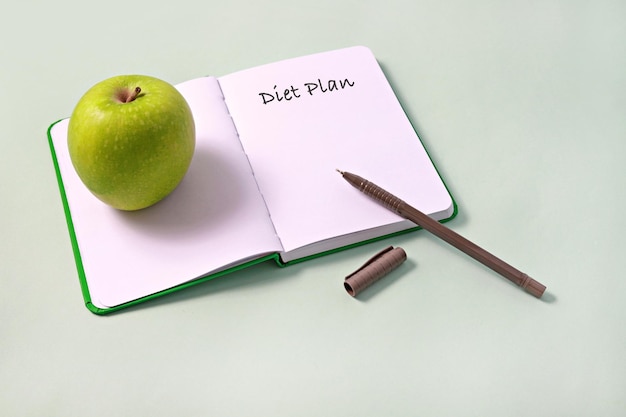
(405, 210)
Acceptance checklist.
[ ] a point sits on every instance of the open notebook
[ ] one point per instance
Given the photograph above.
(263, 182)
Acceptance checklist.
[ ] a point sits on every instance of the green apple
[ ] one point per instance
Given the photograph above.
(131, 139)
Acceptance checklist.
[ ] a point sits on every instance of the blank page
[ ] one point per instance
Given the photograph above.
(216, 216)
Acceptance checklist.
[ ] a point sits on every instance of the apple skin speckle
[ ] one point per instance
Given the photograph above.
(131, 154)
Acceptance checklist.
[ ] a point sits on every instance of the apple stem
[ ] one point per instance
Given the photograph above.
(133, 95)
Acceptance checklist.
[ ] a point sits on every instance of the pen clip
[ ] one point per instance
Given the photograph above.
(372, 260)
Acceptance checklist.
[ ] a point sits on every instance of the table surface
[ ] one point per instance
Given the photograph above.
(520, 104)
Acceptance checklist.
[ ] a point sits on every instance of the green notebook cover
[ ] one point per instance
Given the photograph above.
(336, 60)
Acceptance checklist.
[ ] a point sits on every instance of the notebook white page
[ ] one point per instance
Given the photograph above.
(214, 218)
(296, 140)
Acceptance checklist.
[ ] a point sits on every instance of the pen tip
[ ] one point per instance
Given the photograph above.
(339, 171)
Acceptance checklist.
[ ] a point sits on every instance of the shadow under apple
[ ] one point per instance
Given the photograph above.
(204, 197)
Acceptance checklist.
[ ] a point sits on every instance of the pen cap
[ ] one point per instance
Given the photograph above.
(374, 269)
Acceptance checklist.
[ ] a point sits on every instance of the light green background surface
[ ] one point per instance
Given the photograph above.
(522, 106)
